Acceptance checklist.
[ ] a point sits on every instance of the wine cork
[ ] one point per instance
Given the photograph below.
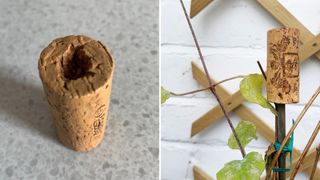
(76, 73)
(283, 66)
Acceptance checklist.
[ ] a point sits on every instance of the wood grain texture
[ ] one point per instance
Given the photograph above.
(197, 6)
(244, 113)
(198, 174)
(283, 65)
(280, 13)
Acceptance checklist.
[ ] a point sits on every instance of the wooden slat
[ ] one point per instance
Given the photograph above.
(197, 6)
(309, 48)
(244, 113)
(229, 103)
(287, 19)
(198, 174)
(308, 163)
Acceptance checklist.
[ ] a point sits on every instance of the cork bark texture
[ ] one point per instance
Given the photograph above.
(283, 66)
(76, 72)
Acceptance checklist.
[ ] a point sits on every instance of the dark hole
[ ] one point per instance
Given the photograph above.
(79, 65)
(314, 44)
(229, 104)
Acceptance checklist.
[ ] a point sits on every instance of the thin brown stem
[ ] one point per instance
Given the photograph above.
(212, 89)
(207, 88)
(190, 92)
(305, 151)
(262, 71)
(307, 106)
(276, 120)
(315, 163)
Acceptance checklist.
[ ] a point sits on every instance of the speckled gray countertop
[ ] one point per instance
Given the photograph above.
(29, 148)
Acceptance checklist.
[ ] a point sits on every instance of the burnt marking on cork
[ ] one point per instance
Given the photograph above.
(291, 61)
(99, 115)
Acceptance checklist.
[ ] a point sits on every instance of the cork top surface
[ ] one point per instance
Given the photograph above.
(75, 65)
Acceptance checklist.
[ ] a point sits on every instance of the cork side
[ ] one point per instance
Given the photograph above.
(80, 122)
(283, 65)
(75, 65)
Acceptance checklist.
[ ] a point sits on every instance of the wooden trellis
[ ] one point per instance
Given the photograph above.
(310, 45)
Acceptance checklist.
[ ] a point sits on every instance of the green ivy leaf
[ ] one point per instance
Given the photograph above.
(249, 168)
(246, 131)
(164, 95)
(251, 90)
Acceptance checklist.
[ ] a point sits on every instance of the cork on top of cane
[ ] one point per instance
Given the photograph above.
(75, 65)
(76, 73)
(283, 65)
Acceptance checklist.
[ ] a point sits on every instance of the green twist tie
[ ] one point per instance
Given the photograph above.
(286, 149)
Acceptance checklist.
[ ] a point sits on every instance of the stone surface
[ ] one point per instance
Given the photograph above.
(29, 148)
(233, 36)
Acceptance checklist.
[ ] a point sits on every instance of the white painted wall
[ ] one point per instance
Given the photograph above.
(232, 34)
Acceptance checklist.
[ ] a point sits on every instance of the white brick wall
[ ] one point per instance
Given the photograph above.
(232, 34)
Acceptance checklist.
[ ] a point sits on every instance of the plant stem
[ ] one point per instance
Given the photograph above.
(262, 71)
(212, 89)
(315, 162)
(279, 121)
(305, 151)
(276, 119)
(307, 106)
(204, 89)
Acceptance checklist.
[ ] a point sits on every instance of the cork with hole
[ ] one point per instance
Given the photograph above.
(76, 73)
(283, 65)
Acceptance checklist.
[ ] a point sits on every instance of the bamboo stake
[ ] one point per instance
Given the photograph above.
(307, 106)
(315, 163)
(305, 151)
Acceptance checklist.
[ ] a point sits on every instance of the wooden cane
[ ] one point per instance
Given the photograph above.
(282, 78)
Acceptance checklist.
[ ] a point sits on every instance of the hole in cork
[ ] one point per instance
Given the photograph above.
(79, 66)
(314, 44)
